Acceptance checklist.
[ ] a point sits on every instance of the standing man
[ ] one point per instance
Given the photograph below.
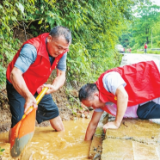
(128, 91)
(145, 47)
(123, 50)
(29, 70)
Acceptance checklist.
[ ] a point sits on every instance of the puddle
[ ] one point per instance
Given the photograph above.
(47, 144)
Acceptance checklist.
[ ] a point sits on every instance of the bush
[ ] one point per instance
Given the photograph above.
(96, 27)
(158, 44)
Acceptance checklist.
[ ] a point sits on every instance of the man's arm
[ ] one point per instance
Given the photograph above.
(20, 85)
(60, 79)
(122, 101)
(57, 82)
(92, 125)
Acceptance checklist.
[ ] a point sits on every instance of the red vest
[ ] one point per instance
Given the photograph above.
(38, 72)
(142, 79)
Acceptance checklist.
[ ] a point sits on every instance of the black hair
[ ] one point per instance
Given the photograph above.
(61, 31)
(87, 90)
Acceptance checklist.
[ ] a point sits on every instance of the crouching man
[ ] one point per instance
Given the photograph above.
(129, 91)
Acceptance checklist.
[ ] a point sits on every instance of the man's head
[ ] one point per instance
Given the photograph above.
(89, 96)
(58, 40)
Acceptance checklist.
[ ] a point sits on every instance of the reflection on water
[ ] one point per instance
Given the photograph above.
(50, 145)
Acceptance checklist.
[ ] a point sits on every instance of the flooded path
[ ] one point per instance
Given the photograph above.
(50, 145)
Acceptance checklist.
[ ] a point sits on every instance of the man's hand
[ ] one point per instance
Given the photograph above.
(57, 82)
(30, 102)
(111, 125)
(92, 125)
(51, 88)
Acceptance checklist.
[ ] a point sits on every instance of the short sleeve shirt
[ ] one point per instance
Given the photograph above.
(28, 55)
(111, 82)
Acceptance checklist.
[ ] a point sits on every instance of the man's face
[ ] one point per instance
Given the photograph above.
(94, 102)
(57, 46)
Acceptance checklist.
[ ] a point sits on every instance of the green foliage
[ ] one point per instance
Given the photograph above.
(158, 44)
(74, 103)
(1, 151)
(96, 27)
(155, 52)
(155, 34)
(78, 63)
(3, 75)
(9, 11)
(145, 28)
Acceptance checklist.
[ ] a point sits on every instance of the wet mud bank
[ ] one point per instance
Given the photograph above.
(134, 140)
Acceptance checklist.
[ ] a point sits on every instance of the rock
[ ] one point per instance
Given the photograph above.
(83, 115)
(87, 116)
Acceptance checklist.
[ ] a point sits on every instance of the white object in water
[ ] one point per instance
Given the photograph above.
(157, 121)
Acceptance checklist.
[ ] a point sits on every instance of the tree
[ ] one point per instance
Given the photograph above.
(148, 15)
(95, 25)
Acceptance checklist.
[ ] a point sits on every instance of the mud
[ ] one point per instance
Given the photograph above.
(47, 144)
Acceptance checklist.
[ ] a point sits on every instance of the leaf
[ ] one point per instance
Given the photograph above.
(20, 7)
(1, 7)
(40, 21)
(2, 150)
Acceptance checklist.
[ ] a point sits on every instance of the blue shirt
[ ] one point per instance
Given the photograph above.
(28, 55)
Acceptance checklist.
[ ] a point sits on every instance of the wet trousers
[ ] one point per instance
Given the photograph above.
(150, 110)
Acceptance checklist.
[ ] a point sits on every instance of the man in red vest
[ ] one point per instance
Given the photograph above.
(145, 47)
(29, 70)
(129, 91)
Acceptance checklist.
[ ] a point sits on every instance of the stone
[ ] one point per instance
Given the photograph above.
(134, 140)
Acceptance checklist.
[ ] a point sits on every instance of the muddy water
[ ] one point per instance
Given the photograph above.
(47, 144)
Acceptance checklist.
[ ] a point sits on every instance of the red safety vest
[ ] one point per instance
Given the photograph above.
(145, 46)
(38, 72)
(142, 79)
